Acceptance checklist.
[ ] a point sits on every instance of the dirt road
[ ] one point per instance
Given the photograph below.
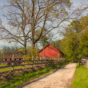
(60, 79)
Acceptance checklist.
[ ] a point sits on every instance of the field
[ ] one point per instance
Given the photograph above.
(27, 64)
(81, 78)
(12, 81)
(10, 68)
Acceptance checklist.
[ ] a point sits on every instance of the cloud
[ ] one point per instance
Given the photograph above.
(79, 3)
(4, 43)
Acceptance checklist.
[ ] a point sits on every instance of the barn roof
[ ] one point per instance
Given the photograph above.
(44, 48)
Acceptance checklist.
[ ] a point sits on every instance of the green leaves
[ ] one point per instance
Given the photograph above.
(70, 46)
(84, 43)
(75, 42)
(75, 26)
(84, 22)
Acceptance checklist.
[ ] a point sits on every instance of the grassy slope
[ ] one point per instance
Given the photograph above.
(24, 77)
(10, 68)
(81, 78)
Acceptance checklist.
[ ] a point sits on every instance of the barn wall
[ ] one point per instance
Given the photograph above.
(49, 52)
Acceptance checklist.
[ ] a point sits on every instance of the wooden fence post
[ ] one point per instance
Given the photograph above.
(13, 61)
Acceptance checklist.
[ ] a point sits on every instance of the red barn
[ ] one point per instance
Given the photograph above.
(49, 51)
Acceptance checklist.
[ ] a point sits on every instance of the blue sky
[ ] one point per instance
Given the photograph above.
(75, 4)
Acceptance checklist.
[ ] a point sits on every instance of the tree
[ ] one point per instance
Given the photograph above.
(44, 38)
(25, 17)
(84, 22)
(7, 52)
(78, 25)
(70, 46)
(75, 26)
(75, 42)
(84, 42)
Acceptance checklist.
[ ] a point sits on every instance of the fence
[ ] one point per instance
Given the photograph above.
(24, 64)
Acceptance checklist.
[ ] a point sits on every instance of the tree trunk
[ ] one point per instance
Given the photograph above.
(33, 46)
(25, 51)
(25, 44)
(33, 24)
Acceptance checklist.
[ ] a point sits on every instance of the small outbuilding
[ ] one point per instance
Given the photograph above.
(49, 51)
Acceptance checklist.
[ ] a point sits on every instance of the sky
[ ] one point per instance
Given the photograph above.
(75, 4)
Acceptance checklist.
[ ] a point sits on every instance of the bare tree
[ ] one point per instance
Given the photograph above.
(26, 18)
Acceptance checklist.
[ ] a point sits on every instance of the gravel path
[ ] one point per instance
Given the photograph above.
(60, 79)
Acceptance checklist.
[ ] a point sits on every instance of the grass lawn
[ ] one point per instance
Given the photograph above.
(10, 68)
(81, 78)
(26, 76)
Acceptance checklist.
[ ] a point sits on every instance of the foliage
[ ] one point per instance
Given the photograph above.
(7, 52)
(31, 54)
(44, 38)
(84, 43)
(74, 45)
(78, 25)
(70, 46)
(75, 26)
(84, 22)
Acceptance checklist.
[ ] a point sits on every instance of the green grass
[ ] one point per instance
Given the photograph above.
(80, 78)
(3, 65)
(26, 76)
(10, 68)
(5, 69)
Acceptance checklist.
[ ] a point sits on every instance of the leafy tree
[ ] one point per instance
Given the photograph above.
(44, 38)
(32, 53)
(75, 26)
(84, 43)
(70, 46)
(75, 42)
(84, 22)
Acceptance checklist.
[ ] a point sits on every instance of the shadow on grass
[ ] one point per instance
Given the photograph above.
(32, 76)
(54, 68)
